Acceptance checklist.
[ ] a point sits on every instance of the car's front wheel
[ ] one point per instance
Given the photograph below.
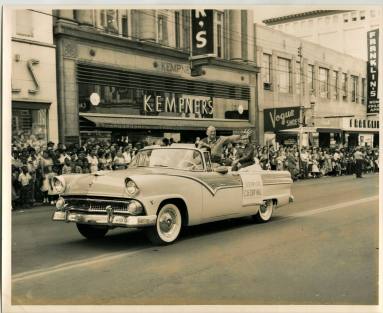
(92, 232)
(265, 212)
(168, 225)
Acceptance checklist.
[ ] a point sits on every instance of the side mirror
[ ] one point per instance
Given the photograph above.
(221, 169)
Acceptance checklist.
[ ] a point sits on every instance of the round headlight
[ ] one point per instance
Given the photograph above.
(60, 203)
(131, 187)
(59, 184)
(135, 208)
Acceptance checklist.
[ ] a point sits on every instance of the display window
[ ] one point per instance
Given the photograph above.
(29, 127)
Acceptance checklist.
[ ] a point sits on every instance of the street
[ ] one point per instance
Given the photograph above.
(321, 249)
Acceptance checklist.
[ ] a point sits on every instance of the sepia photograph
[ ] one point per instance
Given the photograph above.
(188, 158)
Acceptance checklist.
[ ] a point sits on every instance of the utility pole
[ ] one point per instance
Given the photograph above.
(300, 55)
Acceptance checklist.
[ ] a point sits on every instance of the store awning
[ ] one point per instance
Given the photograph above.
(134, 122)
(329, 130)
(298, 130)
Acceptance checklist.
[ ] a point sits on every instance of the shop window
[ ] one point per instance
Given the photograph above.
(108, 20)
(298, 86)
(24, 23)
(323, 82)
(284, 70)
(334, 85)
(344, 86)
(310, 78)
(162, 29)
(354, 88)
(219, 22)
(266, 71)
(124, 25)
(29, 127)
(177, 25)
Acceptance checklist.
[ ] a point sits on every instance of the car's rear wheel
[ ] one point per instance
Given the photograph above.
(168, 225)
(92, 232)
(265, 212)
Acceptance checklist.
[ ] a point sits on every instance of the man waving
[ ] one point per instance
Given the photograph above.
(216, 144)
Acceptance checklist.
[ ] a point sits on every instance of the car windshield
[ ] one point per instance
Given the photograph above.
(184, 159)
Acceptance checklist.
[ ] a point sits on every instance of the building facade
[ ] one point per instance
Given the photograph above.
(34, 97)
(126, 73)
(324, 91)
(342, 30)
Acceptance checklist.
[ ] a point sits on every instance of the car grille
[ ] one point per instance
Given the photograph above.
(96, 205)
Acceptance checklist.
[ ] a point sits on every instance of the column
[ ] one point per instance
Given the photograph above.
(250, 36)
(235, 35)
(147, 25)
(65, 15)
(84, 17)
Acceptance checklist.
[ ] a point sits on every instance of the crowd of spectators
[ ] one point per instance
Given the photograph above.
(312, 162)
(34, 165)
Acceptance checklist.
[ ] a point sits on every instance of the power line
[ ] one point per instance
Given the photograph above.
(229, 38)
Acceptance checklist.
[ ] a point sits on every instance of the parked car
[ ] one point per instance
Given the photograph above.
(165, 189)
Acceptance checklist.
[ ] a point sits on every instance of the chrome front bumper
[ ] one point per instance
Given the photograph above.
(107, 220)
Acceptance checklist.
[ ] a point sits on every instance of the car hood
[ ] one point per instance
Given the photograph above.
(110, 183)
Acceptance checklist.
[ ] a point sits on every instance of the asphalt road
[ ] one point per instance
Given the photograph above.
(322, 249)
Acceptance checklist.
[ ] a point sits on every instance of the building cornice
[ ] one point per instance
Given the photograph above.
(301, 16)
(87, 34)
(33, 42)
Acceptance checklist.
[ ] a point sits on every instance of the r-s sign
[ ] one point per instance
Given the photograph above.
(202, 32)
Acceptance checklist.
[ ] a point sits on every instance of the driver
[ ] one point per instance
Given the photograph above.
(216, 144)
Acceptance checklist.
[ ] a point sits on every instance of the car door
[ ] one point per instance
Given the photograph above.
(221, 195)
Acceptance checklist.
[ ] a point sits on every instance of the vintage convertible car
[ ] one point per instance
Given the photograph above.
(166, 188)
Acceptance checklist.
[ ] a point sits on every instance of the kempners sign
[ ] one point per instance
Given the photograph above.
(194, 105)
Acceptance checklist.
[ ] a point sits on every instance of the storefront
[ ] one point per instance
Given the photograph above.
(137, 91)
(281, 126)
(361, 131)
(145, 107)
(34, 106)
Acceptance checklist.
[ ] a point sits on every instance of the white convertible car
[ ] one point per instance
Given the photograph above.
(165, 189)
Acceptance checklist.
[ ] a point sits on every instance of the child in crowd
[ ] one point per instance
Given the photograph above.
(46, 185)
(67, 167)
(25, 180)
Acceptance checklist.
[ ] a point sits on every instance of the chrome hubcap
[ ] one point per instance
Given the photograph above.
(167, 221)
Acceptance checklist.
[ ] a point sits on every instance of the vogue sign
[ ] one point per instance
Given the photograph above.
(372, 71)
(281, 118)
(202, 32)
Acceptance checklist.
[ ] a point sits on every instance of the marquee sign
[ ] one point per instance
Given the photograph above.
(372, 71)
(200, 106)
(281, 118)
(202, 32)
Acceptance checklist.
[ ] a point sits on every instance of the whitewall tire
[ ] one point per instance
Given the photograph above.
(168, 225)
(265, 212)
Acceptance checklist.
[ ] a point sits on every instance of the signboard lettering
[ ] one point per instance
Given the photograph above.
(186, 105)
(202, 32)
(372, 71)
(252, 189)
(281, 118)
